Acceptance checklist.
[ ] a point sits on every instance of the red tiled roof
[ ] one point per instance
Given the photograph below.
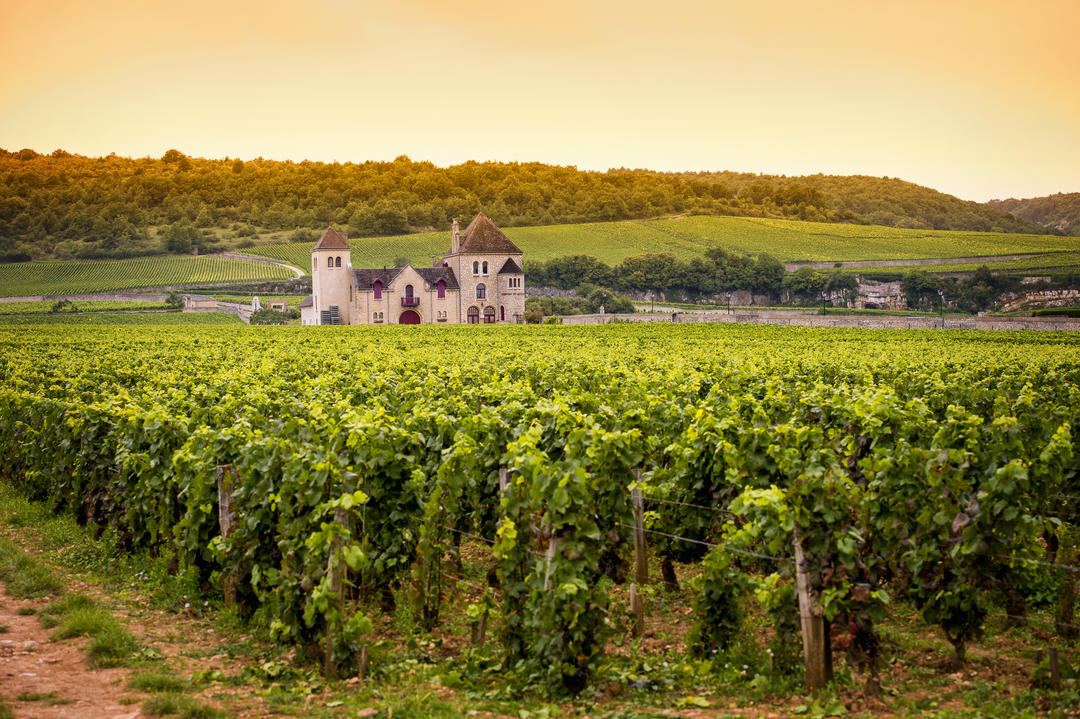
(331, 240)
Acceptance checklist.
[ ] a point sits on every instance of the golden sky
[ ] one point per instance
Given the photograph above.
(978, 98)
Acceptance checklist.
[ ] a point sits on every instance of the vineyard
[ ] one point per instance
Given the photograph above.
(79, 276)
(175, 319)
(787, 240)
(40, 307)
(807, 487)
(1051, 262)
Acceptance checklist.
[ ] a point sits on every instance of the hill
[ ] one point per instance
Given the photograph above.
(1059, 212)
(66, 206)
(687, 237)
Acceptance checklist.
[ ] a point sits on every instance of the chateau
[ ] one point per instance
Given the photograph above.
(479, 279)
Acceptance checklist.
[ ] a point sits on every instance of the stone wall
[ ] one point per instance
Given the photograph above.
(1043, 298)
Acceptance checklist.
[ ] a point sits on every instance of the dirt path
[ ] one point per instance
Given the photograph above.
(32, 664)
(259, 260)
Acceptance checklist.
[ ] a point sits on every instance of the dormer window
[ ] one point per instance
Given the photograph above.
(376, 287)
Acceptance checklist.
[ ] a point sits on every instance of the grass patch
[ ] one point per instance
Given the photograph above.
(112, 648)
(111, 644)
(84, 622)
(77, 615)
(4, 629)
(23, 576)
(53, 613)
(51, 698)
(5, 712)
(179, 705)
(156, 683)
(26, 611)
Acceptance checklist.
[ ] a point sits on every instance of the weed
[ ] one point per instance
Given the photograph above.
(26, 611)
(112, 648)
(179, 705)
(4, 629)
(51, 615)
(50, 698)
(5, 712)
(84, 622)
(156, 683)
(77, 615)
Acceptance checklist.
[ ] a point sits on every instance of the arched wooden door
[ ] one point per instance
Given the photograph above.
(408, 317)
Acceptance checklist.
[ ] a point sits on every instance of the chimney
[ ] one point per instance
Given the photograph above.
(454, 247)
(434, 260)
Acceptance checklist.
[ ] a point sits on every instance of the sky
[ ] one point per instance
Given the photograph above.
(976, 98)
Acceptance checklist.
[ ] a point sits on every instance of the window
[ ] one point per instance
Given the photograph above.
(481, 291)
(329, 261)
(474, 316)
(377, 287)
(314, 264)
(440, 286)
(485, 268)
(476, 268)
(502, 313)
(408, 291)
(337, 262)
(489, 315)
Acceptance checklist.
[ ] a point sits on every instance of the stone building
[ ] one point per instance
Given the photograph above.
(478, 280)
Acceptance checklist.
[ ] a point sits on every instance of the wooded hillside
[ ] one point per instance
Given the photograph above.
(1059, 212)
(63, 205)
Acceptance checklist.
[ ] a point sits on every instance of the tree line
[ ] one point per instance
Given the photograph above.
(716, 273)
(64, 205)
(1060, 211)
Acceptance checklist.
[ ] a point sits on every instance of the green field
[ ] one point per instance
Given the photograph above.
(1049, 263)
(79, 276)
(787, 240)
(148, 319)
(290, 300)
(41, 307)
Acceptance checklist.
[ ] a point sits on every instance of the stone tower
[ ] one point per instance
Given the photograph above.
(331, 279)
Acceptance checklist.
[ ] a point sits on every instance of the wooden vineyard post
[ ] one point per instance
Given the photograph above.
(641, 566)
(335, 568)
(226, 518)
(363, 663)
(815, 638)
(479, 630)
(504, 480)
(1055, 669)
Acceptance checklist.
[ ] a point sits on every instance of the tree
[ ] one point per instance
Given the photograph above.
(844, 284)
(920, 288)
(181, 237)
(806, 284)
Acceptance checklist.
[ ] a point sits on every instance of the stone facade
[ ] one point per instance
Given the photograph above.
(479, 280)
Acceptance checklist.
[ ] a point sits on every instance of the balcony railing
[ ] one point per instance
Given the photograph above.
(410, 301)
